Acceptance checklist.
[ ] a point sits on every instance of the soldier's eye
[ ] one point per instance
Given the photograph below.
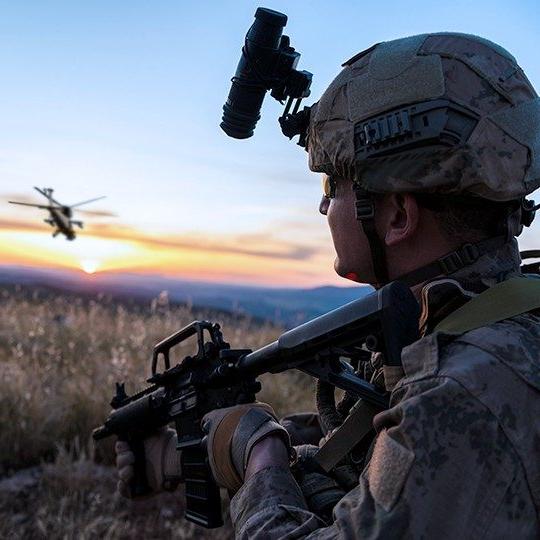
(329, 186)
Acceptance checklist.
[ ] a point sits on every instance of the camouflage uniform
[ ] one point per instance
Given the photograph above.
(457, 453)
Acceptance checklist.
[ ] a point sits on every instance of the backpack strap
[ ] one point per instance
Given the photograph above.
(502, 301)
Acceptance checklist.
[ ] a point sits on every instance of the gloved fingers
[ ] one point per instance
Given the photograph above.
(327, 437)
(305, 451)
(268, 408)
(172, 459)
(221, 426)
(162, 458)
(155, 443)
(124, 459)
(126, 473)
(123, 488)
(307, 419)
(122, 446)
(304, 428)
(212, 419)
(162, 462)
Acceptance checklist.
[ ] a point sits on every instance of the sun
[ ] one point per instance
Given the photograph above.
(89, 266)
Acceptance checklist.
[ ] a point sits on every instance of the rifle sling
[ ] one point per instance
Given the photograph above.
(357, 425)
(502, 301)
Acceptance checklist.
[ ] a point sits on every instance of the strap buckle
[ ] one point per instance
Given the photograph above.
(469, 254)
(464, 256)
(365, 209)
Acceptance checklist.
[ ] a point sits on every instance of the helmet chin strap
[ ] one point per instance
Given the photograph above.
(468, 254)
(464, 256)
(365, 214)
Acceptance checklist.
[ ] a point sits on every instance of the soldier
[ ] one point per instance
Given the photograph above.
(428, 146)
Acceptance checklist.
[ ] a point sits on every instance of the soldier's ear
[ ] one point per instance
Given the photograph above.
(400, 214)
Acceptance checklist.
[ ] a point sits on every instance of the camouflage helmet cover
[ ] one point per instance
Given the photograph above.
(499, 161)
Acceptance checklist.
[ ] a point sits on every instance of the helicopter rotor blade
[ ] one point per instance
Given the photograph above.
(86, 202)
(97, 213)
(39, 190)
(44, 207)
(45, 194)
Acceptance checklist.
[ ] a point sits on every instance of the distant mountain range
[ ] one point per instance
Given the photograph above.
(285, 306)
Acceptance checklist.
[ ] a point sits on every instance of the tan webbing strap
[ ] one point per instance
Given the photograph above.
(356, 426)
(502, 301)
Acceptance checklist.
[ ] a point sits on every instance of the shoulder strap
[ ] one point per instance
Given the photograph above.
(357, 426)
(502, 301)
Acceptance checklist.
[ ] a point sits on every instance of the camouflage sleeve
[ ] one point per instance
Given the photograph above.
(441, 468)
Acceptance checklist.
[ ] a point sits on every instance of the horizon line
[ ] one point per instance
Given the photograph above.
(95, 276)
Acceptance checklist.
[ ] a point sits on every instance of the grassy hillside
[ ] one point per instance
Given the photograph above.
(60, 356)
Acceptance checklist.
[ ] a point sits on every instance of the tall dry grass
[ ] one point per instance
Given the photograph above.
(60, 356)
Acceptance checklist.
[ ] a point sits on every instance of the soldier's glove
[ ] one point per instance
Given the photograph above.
(162, 460)
(232, 434)
(304, 428)
(321, 490)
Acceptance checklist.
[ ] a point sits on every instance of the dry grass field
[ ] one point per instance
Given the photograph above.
(60, 356)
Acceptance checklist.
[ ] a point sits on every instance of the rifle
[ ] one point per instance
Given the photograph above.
(218, 376)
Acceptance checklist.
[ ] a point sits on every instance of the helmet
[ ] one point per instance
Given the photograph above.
(489, 146)
(442, 113)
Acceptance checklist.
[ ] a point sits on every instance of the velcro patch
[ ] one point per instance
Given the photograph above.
(388, 469)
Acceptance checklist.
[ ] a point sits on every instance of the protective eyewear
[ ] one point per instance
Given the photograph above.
(329, 187)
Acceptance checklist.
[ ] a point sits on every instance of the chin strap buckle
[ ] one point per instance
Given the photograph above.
(469, 254)
(464, 256)
(365, 209)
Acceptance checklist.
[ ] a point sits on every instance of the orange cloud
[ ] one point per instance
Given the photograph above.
(15, 225)
(252, 258)
(253, 245)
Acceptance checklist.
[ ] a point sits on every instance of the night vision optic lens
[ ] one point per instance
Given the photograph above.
(241, 111)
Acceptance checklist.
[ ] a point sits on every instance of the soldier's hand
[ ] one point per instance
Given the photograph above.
(162, 463)
(321, 491)
(232, 435)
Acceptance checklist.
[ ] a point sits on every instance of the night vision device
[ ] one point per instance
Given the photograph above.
(268, 63)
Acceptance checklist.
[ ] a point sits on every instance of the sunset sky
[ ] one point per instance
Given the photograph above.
(124, 99)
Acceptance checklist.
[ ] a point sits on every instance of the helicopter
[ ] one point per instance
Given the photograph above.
(59, 214)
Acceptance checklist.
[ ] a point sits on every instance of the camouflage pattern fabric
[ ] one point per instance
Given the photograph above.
(457, 455)
(500, 160)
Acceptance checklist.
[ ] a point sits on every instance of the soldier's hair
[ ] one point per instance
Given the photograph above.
(466, 218)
